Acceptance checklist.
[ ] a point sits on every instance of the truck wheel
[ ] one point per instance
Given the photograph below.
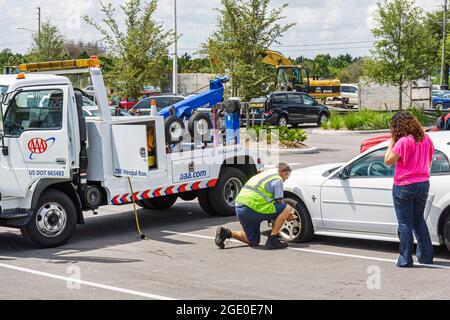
(200, 126)
(224, 194)
(203, 201)
(447, 232)
(53, 222)
(188, 196)
(144, 205)
(301, 230)
(161, 203)
(174, 130)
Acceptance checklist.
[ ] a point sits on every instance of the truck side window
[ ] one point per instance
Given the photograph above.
(34, 110)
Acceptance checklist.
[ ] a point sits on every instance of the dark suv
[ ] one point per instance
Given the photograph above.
(283, 108)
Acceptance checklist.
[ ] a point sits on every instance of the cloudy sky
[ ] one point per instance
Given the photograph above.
(323, 26)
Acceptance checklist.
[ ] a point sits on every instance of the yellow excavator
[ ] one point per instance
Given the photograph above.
(292, 77)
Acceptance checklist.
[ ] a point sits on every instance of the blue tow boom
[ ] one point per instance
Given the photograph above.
(208, 99)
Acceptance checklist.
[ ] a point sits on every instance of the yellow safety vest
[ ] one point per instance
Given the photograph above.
(255, 196)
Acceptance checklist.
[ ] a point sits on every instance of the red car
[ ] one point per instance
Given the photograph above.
(443, 124)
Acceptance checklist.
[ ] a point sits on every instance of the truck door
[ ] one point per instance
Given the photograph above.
(36, 134)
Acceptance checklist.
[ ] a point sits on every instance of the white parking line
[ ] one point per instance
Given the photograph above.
(86, 283)
(345, 255)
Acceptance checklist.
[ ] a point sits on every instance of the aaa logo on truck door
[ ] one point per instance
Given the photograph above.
(39, 146)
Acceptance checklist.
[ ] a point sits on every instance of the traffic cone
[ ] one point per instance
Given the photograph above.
(154, 109)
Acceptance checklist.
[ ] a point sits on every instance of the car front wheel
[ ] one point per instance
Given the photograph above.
(322, 119)
(283, 121)
(300, 230)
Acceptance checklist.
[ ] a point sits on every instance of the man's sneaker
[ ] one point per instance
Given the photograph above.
(222, 234)
(274, 243)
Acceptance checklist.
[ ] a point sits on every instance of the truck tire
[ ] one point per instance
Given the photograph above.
(298, 232)
(53, 222)
(231, 181)
(160, 203)
(203, 201)
(200, 126)
(174, 128)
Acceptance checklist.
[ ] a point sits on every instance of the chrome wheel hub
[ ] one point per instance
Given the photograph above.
(291, 229)
(231, 190)
(51, 219)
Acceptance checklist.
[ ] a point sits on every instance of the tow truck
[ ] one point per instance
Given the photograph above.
(55, 164)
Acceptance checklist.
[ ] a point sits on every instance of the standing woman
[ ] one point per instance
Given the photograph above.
(411, 150)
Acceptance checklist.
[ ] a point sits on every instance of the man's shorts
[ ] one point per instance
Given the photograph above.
(251, 221)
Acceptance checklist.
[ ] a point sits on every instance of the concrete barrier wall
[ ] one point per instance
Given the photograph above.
(378, 97)
(190, 82)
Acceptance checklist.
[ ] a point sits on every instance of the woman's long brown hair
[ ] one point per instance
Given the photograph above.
(404, 124)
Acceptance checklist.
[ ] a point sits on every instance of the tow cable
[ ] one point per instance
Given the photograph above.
(138, 225)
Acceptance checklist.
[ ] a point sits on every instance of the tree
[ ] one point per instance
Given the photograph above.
(8, 58)
(402, 53)
(47, 45)
(140, 51)
(353, 72)
(433, 23)
(245, 29)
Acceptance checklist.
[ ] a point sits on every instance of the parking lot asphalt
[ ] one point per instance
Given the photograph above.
(107, 260)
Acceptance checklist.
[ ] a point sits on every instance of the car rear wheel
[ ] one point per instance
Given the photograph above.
(300, 230)
(447, 232)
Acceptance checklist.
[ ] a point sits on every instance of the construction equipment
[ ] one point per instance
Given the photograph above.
(292, 77)
(58, 164)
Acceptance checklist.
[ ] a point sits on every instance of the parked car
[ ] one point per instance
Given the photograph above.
(89, 90)
(354, 199)
(93, 111)
(441, 102)
(283, 108)
(349, 96)
(439, 87)
(163, 101)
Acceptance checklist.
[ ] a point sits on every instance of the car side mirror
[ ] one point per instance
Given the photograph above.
(344, 174)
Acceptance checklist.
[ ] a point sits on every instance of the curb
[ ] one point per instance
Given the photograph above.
(347, 132)
(312, 150)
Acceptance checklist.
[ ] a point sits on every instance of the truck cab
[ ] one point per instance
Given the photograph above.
(55, 164)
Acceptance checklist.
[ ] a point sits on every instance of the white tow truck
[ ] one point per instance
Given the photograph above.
(55, 164)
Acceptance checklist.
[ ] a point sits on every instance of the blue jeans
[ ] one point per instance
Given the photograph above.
(409, 203)
(251, 221)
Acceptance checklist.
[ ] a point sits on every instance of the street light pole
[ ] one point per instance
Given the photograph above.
(175, 52)
(444, 44)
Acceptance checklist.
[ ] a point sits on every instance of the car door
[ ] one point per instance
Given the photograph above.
(36, 134)
(360, 200)
(279, 104)
(312, 109)
(296, 108)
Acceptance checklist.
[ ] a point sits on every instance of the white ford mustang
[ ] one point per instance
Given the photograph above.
(354, 199)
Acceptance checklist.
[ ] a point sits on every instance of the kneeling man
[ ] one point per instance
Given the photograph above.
(261, 199)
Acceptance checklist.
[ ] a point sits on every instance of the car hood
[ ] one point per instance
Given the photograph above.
(311, 176)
